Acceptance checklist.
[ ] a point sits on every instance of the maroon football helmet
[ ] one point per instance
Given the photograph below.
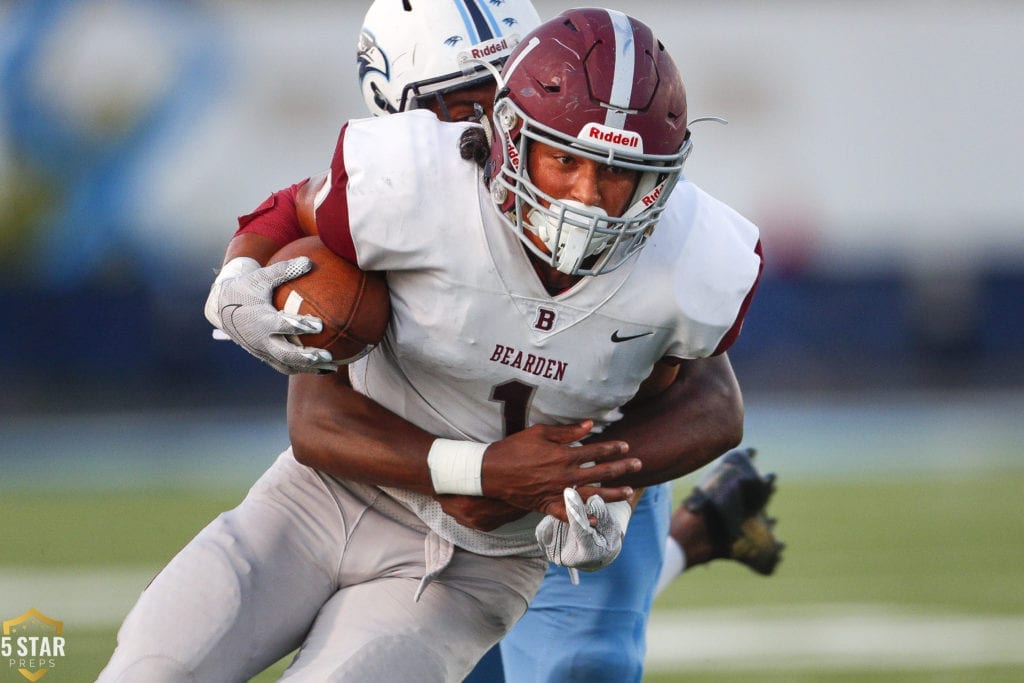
(597, 84)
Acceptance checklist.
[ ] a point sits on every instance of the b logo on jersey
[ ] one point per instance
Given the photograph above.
(545, 319)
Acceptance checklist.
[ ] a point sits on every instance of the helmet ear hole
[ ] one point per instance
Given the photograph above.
(380, 100)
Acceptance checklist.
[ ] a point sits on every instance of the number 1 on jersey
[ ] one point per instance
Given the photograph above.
(515, 398)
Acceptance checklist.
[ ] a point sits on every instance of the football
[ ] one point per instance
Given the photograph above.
(353, 304)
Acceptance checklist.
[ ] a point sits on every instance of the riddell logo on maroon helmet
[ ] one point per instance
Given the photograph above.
(513, 153)
(653, 195)
(617, 138)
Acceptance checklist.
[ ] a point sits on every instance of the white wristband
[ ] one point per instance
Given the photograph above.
(455, 466)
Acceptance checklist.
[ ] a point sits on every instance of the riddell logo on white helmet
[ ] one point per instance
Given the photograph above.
(497, 47)
(622, 139)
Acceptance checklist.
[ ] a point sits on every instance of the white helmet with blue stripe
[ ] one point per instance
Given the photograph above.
(411, 50)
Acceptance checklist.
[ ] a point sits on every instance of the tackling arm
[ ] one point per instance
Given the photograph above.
(339, 431)
(685, 424)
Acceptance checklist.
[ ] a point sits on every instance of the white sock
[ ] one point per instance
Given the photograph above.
(673, 566)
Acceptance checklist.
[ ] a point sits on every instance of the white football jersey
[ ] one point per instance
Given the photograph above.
(477, 348)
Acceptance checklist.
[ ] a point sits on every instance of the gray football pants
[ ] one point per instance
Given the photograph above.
(300, 564)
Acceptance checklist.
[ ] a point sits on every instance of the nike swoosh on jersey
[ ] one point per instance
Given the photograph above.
(616, 338)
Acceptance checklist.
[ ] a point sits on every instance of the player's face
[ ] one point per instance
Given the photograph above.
(567, 176)
(460, 104)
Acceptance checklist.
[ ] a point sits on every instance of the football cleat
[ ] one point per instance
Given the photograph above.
(732, 498)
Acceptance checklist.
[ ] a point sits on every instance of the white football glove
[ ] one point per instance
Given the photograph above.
(577, 544)
(241, 305)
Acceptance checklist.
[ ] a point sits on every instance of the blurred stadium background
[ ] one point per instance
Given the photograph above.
(877, 145)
